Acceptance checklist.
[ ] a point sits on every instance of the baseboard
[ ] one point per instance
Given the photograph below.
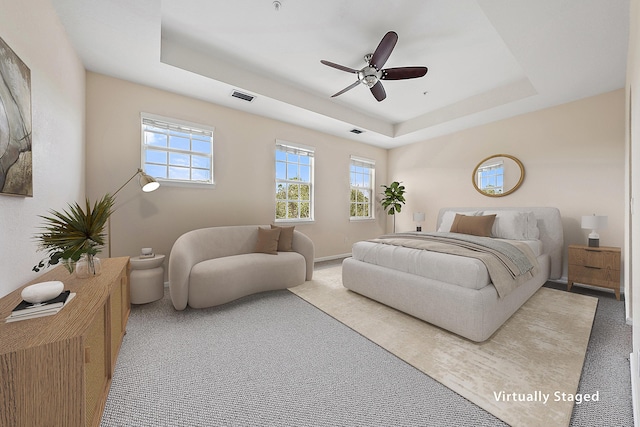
(635, 392)
(332, 257)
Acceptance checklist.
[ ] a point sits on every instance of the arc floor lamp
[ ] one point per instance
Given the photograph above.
(147, 184)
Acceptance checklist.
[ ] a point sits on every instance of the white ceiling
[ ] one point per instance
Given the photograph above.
(487, 59)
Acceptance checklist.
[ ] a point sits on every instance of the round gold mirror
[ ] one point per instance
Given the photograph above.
(498, 175)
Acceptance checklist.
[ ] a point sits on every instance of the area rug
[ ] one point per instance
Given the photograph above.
(526, 374)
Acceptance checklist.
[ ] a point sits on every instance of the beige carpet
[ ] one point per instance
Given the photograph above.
(537, 353)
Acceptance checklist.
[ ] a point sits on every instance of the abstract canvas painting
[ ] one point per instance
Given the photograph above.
(16, 173)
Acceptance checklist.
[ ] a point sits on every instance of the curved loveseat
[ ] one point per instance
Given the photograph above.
(216, 265)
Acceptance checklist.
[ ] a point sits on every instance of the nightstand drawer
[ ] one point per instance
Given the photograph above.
(594, 258)
(595, 276)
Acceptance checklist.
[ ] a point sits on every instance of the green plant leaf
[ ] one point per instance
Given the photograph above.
(75, 230)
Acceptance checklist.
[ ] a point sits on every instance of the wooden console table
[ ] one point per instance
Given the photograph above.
(56, 370)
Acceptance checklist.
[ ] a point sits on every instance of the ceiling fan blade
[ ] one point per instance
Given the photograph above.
(339, 67)
(346, 88)
(378, 91)
(384, 49)
(401, 73)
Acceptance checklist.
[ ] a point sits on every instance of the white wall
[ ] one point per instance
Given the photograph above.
(32, 29)
(632, 187)
(244, 146)
(573, 155)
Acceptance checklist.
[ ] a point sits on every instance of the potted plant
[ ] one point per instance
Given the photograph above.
(73, 234)
(393, 200)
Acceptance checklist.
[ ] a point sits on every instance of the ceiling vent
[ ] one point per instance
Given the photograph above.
(356, 131)
(242, 95)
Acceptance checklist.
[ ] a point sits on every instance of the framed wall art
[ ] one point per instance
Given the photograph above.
(16, 172)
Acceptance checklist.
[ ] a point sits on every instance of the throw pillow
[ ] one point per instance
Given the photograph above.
(447, 219)
(285, 242)
(475, 225)
(267, 241)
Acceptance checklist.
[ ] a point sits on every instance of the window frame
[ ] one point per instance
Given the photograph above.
(192, 128)
(371, 165)
(494, 170)
(293, 148)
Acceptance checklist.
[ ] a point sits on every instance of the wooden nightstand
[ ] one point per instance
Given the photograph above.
(595, 267)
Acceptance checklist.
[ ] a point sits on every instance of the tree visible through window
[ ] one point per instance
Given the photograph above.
(173, 151)
(361, 172)
(294, 182)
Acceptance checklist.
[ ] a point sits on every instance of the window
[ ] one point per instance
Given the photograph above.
(174, 151)
(294, 182)
(361, 172)
(490, 178)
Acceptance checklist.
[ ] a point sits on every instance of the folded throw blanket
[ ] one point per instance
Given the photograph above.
(509, 263)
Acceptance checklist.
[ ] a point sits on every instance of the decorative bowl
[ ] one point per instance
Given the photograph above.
(43, 291)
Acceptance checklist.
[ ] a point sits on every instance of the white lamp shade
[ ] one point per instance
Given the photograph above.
(418, 217)
(594, 222)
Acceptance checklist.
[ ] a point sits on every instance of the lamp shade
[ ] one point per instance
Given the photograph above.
(418, 217)
(594, 222)
(147, 183)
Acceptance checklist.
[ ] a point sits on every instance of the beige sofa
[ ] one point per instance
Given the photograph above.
(213, 266)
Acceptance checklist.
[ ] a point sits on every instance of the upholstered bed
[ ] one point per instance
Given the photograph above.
(456, 292)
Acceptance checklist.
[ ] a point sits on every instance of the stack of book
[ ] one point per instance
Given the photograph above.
(26, 310)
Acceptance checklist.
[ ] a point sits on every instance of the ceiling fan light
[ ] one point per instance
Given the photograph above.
(370, 80)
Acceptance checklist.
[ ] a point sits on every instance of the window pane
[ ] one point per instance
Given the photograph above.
(291, 157)
(180, 143)
(179, 173)
(200, 175)
(305, 160)
(281, 155)
(200, 162)
(294, 192)
(157, 171)
(305, 192)
(281, 170)
(178, 159)
(155, 139)
(292, 171)
(305, 173)
(281, 192)
(200, 146)
(155, 156)
(281, 210)
(305, 210)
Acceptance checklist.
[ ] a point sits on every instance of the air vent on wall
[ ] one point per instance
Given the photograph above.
(242, 95)
(356, 131)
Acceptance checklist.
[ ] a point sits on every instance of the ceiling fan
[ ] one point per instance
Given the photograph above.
(372, 74)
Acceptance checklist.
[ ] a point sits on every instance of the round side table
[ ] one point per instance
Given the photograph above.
(146, 279)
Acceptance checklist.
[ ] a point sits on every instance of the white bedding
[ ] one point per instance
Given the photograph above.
(458, 270)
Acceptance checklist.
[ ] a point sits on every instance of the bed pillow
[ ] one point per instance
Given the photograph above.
(533, 232)
(448, 217)
(285, 241)
(514, 225)
(475, 225)
(267, 241)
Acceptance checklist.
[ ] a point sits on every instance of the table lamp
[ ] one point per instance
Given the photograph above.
(418, 218)
(594, 222)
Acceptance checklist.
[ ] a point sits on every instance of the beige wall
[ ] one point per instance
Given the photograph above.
(32, 29)
(244, 147)
(573, 155)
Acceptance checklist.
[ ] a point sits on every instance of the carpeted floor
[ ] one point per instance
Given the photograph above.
(274, 360)
(508, 375)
